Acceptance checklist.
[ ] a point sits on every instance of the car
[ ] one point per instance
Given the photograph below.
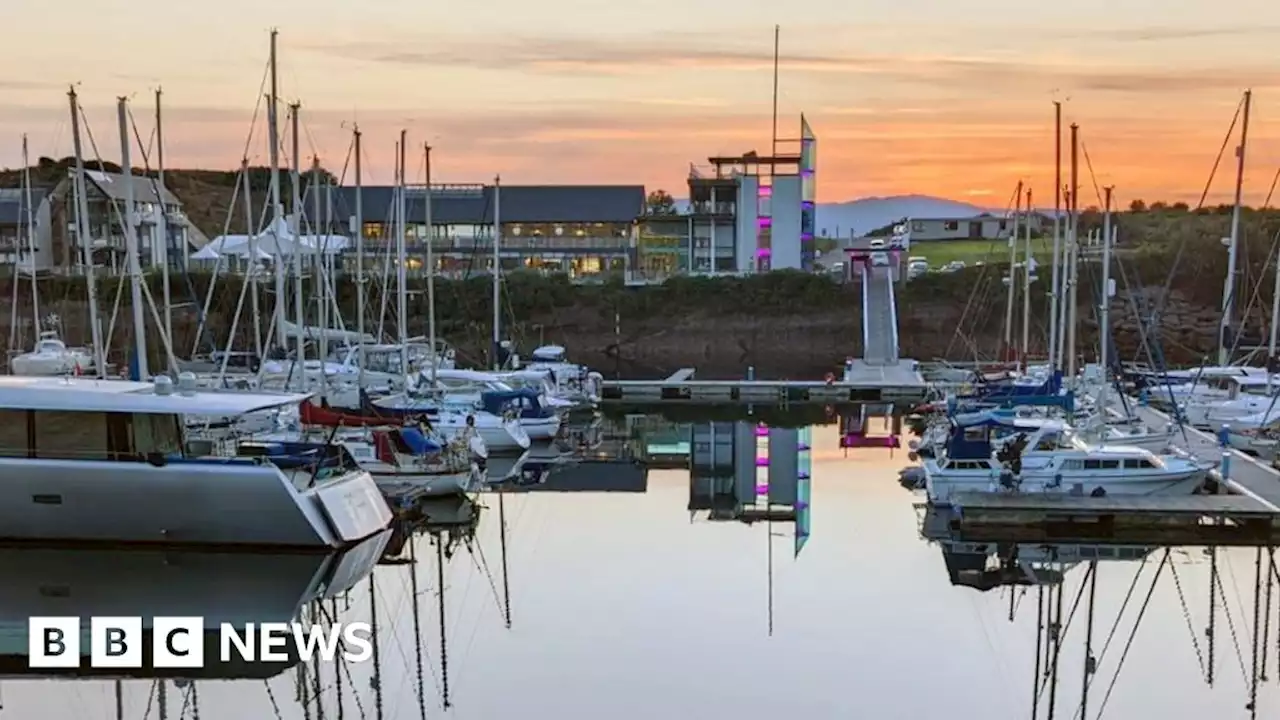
(877, 243)
(880, 259)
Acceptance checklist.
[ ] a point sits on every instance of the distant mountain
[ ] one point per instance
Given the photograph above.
(867, 214)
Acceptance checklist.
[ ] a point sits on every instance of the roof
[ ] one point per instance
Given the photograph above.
(13, 205)
(473, 204)
(92, 395)
(114, 186)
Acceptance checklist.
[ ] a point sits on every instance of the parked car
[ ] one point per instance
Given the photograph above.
(877, 243)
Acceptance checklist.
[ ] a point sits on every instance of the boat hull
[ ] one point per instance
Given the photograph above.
(225, 505)
(425, 484)
(941, 486)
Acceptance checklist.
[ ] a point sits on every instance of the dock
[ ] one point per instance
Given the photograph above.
(864, 383)
(1246, 475)
(1201, 520)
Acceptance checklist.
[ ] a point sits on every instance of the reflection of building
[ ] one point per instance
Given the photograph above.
(749, 213)
(584, 231)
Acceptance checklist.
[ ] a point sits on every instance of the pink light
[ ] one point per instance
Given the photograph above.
(765, 191)
(764, 252)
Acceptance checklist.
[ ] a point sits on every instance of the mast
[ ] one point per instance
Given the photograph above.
(497, 264)
(320, 281)
(1073, 247)
(295, 230)
(1104, 311)
(253, 259)
(402, 311)
(1224, 351)
(1026, 285)
(273, 135)
(1013, 273)
(431, 268)
(31, 238)
(777, 36)
(162, 225)
(1055, 345)
(131, 242)
(359, 233)
(86, 243)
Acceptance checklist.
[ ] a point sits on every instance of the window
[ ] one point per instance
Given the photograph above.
(917, 226)
(1137, 464)
(71, 435)
(13, 433)
(1047, 443)
(951, 225)
(1092, 464)
(1072, 464)
(1109, 464)
(156, 434)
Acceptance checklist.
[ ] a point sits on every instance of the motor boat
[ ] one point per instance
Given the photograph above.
(52, 357)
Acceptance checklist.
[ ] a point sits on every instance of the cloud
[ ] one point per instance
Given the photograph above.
(1163, 33)
(635, 56)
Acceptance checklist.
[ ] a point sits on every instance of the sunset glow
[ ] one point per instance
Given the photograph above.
(917, 96)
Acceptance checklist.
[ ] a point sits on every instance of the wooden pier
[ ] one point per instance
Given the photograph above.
(1238, 520)
(889, 383)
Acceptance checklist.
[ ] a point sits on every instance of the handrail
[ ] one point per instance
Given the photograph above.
(866, 325)
(893, 320)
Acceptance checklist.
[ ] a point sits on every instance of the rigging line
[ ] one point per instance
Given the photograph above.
(1115, 625)
(1231, 624)
(475, 550)
(1163, 298)
(981, 277)
(1092, 177)
(1132, 634)
(1186, 615)
(1252, 680)
(1061, 632)
(1276, 179)
(1266, 621)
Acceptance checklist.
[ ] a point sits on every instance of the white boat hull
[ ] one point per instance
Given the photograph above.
(942, 486)
(424, 484)
(185, 504)
(50, 364)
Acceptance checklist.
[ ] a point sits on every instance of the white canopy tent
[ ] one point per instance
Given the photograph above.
(275, 241)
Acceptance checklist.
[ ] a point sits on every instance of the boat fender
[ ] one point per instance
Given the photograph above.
(831, 379)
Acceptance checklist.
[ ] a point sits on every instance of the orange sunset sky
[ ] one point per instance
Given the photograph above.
(915, 96)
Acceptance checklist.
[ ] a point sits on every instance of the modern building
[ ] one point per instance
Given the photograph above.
(107, 194)
(15, 243)
(585, 231)
(976, 227)
(747, 213)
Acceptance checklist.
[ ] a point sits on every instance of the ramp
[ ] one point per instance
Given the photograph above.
(879, 316)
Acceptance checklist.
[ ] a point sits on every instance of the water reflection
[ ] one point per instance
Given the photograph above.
(659, 599)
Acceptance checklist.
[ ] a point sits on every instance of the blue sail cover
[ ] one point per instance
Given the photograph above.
(418, 443)
(972, 433)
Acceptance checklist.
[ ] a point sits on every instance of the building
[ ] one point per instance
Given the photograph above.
(15, 244)
(977, 227)
(585, 231)
(106, 196)
(748, 213)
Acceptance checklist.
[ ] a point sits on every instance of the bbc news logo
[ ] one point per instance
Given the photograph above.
(179, 642)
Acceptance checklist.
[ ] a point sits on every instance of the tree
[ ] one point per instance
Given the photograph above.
(1159, 205)
(1181, 207)
(1137, 206)
(660, 202)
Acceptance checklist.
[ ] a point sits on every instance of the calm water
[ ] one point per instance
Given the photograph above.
(623, 606)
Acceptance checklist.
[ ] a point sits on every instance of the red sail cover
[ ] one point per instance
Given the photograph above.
(312, 414)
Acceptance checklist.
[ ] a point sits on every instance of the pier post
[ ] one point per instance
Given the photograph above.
(1224, 441)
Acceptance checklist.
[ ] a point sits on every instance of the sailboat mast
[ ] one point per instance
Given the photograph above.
(359, 233)
(431, 266)
(254, 266)
(1055, 346)
(162, 224)
(86, 242)
(131, 242)
(1073, 249)
(497, 265)
(320, 280)
(1013, 261)
(1104, 310)
(1026, 284)
(273, 138)
(295, 231)
(402, 310)
(30, 219)
(1228, 290)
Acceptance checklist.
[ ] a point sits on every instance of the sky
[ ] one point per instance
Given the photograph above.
(916, 96)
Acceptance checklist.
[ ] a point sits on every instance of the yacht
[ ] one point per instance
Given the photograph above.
(492, 410)
(573, 382)
(1205, 384)
(107, 461)
(1231, 398)
(995, 453)
(52, 357)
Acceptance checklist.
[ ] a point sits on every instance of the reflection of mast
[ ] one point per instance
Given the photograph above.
(341, 667)
(1035, 678)
(119, 700)
(317, 688)
(417, 626)
(502, 540)
(1090, 664)
(162, 699)
(444, 643)
(377, 657)
(769, 554)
